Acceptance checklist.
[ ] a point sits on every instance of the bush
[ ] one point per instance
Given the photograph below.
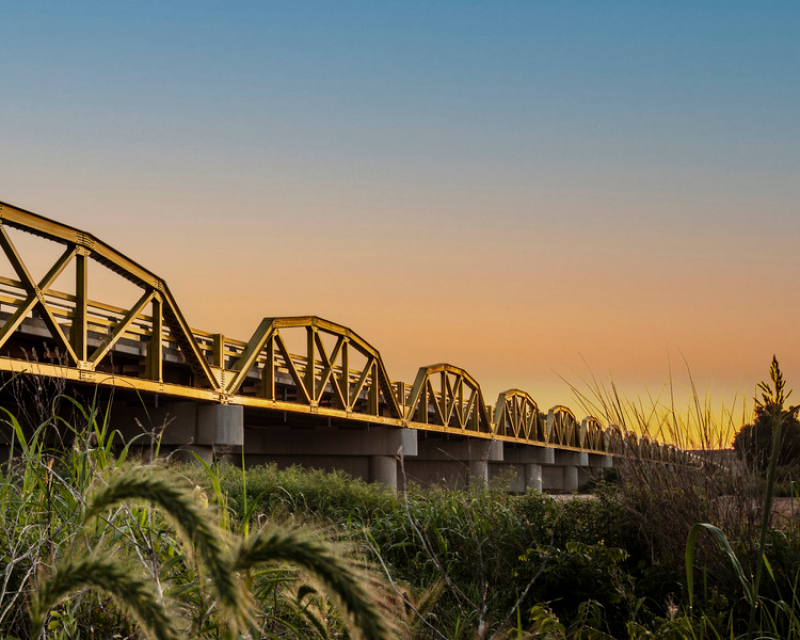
(753, 443)
(331, 497)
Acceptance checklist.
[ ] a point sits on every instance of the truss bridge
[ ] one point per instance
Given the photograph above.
(299, 390)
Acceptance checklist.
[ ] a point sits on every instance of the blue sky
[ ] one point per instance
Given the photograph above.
(513, 187)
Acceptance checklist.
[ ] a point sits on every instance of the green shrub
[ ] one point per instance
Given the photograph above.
(753, 443)
(330, 497)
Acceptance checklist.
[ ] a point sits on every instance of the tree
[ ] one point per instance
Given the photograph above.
(753, 442)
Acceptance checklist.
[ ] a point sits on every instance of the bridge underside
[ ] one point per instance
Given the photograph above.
(251, 436)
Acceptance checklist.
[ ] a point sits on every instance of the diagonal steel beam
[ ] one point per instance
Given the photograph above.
(121, 327)
(327, 371)
(287, 357)
(250, 353)
(362, 379)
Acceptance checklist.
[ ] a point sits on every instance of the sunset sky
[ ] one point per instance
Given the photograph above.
(527, 190)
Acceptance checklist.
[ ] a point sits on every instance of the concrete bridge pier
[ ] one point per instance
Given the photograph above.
(529, 463)
(369, 452)
(383, 469)
(478, 472)
(202, 428)
(597, 462)
(219, 425)
(533, 477)
(453, 461)
(563, 476)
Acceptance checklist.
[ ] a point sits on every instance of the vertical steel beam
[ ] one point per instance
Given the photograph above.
(400, 394)
(345, 378)
(373, 390)
(462, 416)
(268, 373)
(79, 321)
(443, 398)
(154, 361)
(311, 361)
(422, 404)
(218, 350)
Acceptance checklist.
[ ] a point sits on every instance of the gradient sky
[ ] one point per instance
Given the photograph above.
(528, 190)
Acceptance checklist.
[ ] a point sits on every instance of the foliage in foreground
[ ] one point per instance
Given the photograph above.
(753, 443)
(661, 553)
(95, 547)
(482, 563)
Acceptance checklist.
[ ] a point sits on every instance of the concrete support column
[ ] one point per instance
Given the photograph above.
(534, 463)
(383, 469)
(205, 452)
(453, 461)
(220, 424)
(478, 473)
(570, 462)
(533, 477)
(569, 482)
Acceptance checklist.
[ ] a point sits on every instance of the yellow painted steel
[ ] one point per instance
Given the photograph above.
(591, 434)
(339, 376)
(561, 427)
(517, 415)
(457, 404)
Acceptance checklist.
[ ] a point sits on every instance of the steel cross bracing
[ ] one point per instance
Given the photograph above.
(302, 365)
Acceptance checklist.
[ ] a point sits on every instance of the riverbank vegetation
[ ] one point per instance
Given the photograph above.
(94, 544)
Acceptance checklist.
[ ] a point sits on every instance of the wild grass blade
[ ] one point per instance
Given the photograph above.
(337, 577)
(16, 429)
(106, 574)
(773, 465)
(719, 535)
(191, 520)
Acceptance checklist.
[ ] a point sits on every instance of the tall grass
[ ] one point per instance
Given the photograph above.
(715, 519)
(676, 414)
(94, 543)
(80, 525)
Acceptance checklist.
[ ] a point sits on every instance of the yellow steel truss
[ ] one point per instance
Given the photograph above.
(446, 396)
(561, 427)
(517, 415)
(592, 435)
